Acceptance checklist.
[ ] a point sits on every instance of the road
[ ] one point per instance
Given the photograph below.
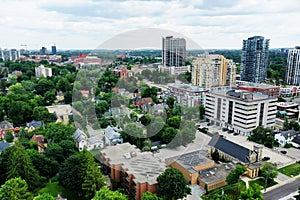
(282, 191)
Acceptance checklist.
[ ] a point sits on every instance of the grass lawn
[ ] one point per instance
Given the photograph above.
(54, 189)
(261, 181)
(291, 170)
(232, 191)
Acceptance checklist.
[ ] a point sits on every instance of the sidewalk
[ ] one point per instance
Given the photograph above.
(281, 184)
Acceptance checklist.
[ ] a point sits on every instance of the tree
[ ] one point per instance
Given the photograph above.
(56, 132)
(43, 86)
(145, 119)
(202, 111)
(44, 196)
(252, 193)
(41, 113)
(149, 92)
(168, 134)
(20, 112)
(15, 189)
(234, 175)
(269, 172)
(49, 97)
(174, 121)
(172, 185)
(105, 194)
(81, 173)
(149, 196)
(9, 137)
(16, 89)
(15, 162)
(170, 102)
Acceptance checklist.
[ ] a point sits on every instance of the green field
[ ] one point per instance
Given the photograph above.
(54, 189)
(261, 181)
(291, 170)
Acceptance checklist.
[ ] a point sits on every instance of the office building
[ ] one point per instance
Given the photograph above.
(43, 50)
(53, 50)
(9, 54)
(254, 60)
(213, 70)
(43, 71)
(293, 67)
(240, 111)
(173, 51)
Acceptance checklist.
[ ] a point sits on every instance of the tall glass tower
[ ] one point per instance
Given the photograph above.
(292, 76)
(254, 60)
(173, 51)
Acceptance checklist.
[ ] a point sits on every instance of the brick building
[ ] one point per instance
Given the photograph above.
(135, 171)
(270, 90)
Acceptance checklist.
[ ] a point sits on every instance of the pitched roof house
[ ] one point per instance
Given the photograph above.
(39, 139)
(285, 137)
(3, 146)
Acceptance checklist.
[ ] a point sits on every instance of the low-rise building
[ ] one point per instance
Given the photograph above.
(287, 110)
(31, 126)
(291, 90)
(285, 137)
(239, 110)
(7, 126)
(187, 95)
(82, 141)
(135, 171)
(61, 112)
(270, 90)
(39, 139)
(113, 136)
(3, 146)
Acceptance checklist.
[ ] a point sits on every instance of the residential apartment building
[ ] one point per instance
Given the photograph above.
(135, 171)
(43, 71)
(9, 54)
(254, 60)
(239, 110)
(293, 67)
(187, 95)
(213, 70)
(173, 51)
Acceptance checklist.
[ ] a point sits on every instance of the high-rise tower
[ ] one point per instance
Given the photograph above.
(292, 76)
(173, 51)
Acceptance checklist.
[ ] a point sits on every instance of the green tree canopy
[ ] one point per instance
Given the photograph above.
(149, 196)
(44, 196)
(105, 194)
(172, 185)
(81, 173)
(15, 189)
(234, 175)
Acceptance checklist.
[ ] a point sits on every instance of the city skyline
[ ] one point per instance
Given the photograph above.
(87, 24)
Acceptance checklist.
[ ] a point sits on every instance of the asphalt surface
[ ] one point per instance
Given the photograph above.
(282, 191)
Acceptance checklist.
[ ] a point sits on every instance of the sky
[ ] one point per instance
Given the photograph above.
(88, 24)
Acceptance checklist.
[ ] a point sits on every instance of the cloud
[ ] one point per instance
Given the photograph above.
(88, 23)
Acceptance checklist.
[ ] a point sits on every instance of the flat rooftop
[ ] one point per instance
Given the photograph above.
(191, 160)
(240, 94)
(60, 109)
(143, 165)
(217, 173)
(187, 87)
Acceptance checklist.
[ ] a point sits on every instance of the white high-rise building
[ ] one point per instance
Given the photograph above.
(292, 76)
(9, 54)
(43, 71)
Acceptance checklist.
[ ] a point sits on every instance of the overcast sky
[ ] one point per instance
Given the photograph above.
(78, 24)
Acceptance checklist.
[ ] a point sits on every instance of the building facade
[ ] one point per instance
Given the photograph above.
(173, 51)
(188, 96)
(240, 111)
(292, 69)
(270, 90)
(254, 60)
(9, 54)
(43, 71)
(213, 70)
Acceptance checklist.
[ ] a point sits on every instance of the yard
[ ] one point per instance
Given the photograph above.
(232, 191)
(261, 181)
(54, 189)
(291, 170)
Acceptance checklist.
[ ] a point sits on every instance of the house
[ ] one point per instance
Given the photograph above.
(39, 139)
(7, 126)
(80, 139)
(3, 146)
(31, 126)
(236, 153)
(61, 112)
(285, 137)
(112, 136)
(85, 93)
(143, 103)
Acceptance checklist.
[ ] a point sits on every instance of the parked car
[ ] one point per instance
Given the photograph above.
(266, 158)
(224, 129)
(235, 134)
(283, 152)
(230, 131)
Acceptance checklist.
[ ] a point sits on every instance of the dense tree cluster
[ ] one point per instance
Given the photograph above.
(263, 136)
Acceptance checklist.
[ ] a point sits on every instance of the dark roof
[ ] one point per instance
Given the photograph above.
(289, 133)
(234, 150)
(4, 145)
(296, 140)
(34, 123)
